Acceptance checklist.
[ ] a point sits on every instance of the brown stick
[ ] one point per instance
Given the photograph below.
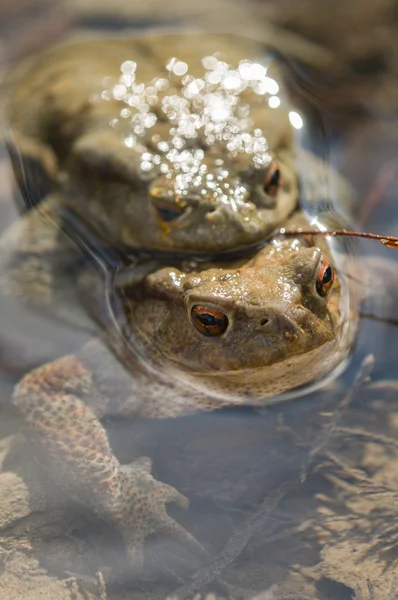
(387, 240)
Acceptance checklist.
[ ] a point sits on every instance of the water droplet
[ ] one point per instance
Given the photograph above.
(128, 67)
(296, 119)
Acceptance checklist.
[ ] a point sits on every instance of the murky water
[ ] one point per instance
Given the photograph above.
(294, 499)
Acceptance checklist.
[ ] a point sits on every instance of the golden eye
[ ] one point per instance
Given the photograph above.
(273, 179)
(209, 321)
(325, 278)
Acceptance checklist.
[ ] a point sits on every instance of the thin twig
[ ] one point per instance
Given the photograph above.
(387, 240)
(374, 437)
(233, 547)
(329, 431)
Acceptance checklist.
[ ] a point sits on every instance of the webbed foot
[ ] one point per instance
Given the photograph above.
(74, 446)
(140, 511)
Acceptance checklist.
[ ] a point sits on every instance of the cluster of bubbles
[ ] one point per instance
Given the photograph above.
(211, 110)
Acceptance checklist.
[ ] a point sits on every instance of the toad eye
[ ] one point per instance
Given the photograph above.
(325, 278)
(272, 179)
(209, 321)
(167, 212)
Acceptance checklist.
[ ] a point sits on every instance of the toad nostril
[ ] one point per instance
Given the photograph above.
(264, 321)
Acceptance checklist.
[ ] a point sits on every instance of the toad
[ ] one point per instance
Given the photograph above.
(167, 142)
(216, 335)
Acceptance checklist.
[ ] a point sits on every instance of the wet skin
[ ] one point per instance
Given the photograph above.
(165, 166)
(195, 337)
(199, 340)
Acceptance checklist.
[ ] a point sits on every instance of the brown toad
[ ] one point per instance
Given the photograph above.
(178, 142)
(216, 336)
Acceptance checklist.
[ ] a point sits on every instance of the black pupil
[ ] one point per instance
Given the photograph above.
(274, 179)
(208, 320)
(168, 214)
(327, 275)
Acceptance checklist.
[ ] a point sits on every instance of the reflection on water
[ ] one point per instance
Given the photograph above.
(187, 333)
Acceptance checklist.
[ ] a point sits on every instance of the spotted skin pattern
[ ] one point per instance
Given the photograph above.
(106, 177)
(61, 405)
(183, 372)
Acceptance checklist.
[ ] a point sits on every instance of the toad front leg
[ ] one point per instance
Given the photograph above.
(62, 402)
